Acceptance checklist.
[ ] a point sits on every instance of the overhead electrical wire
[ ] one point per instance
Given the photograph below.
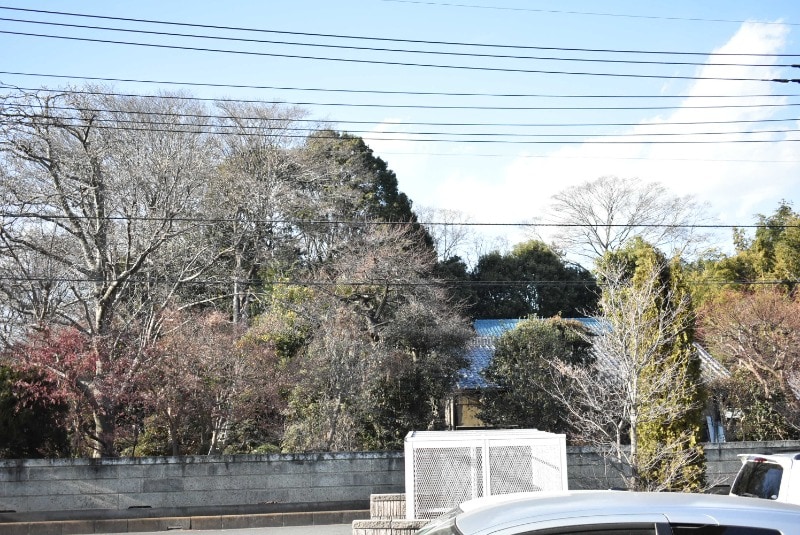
(491, 108)
(280, 132)
(221, 281)
(511, 138)
(405, 63)
(434, 123)
(514, 108)
(404, 123)
(225, 129)
(585, 139)
(582, 157)
(383, 39)
(238, 129)
(587, 13)
(599, 60)
(394, 50)
(505, 125)
(378, 223)
(355, 91)
(381, 135)
(301, 282)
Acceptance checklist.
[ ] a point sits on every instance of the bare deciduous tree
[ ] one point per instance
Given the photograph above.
(251, 193)
(208, 381)
(759, 333)
(604, 214)
(451, 231)
(94, 186)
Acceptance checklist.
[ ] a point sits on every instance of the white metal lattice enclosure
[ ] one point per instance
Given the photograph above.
(445, 468)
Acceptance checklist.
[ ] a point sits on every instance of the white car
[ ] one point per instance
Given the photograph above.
(617, 513)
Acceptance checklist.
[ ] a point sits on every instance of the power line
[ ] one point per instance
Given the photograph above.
(223, 129)
(402, 63)
(370, 283)
(280, 132)
(365, 223)
(641, 137)
(355, 91)
(461, 107)
(599, 139)
(381, 39)
(363, 122)
(557, 157)
(587, 13)
(300, 282)
(394, 50)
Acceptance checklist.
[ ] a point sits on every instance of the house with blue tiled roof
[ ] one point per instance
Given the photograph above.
(463, 406)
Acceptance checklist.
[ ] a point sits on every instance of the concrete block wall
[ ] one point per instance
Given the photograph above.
(344, 480)
(72, 489)
(587, 469)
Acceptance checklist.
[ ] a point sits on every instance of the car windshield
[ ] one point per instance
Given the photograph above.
(758, 480)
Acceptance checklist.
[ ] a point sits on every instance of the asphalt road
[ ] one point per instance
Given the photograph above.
(332, 529)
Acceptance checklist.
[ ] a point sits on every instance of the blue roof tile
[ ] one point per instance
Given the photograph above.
(482, 347)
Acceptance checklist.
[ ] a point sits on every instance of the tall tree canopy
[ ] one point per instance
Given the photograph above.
(604, 214)
(144, 235)
(345, 187)
(772, 254)
(384, 347)
(367, 187)
(90, 204)
(748, 319)
(90, 201)
(532, 279)
(252, 197)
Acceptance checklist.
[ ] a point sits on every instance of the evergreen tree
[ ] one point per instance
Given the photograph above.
(640, 403)
(521, 376)
(670, 455)
(533, 279)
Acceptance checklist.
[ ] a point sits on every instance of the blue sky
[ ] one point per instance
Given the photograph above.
(505, 178)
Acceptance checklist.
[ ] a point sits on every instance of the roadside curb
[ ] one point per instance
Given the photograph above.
(134, 525)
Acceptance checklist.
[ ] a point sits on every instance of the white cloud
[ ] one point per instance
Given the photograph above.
(733, 178)
(737, 180)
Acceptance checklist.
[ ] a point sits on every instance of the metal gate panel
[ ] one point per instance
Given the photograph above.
(445, 468)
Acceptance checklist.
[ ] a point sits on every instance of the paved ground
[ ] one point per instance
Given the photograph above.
(331, 529)
(316, 523)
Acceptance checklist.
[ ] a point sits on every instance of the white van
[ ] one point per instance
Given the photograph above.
(772, 477)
